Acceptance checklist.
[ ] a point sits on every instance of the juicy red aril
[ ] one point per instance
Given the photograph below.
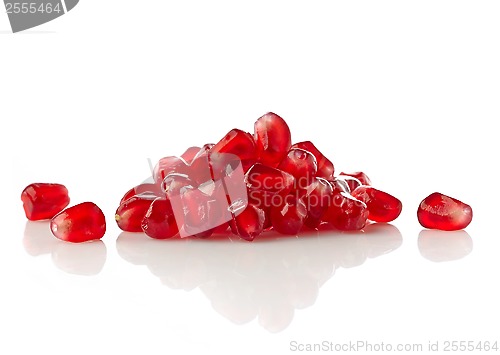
(300, 164)
(361, 176)
(273, 139)
(79, 223)
(346, 183)
(382, 207)
(288, 217)
(317, 201)
(325, 166)
(168, 165)
(44, 201)
(249, 223)
(238, 143)
(159, 221)
(189, 154)
(146, 188)
(346, 212)
(438, 211)
(130, 213)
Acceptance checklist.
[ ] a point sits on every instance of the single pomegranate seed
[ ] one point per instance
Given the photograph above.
(438, 211)
(79, 223)
(288, 217)
(361, 176)
(346, 183)
(264, 182)
(168, 165)
(44, 201)
(200, 170)
(149, 189)
(238, 143)
(189, 154)
(131, 212)
(249, 224)
(300, 164)
(346, 212)
(317, 201)
(159, 221)
(273, 139)
(382, 207)
(325, 166)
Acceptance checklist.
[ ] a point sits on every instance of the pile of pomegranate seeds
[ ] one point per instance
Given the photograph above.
(252, 183)
(438, 211)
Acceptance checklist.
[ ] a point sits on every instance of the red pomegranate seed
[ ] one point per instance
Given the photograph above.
(159, 221)
(438, 211)
(189, 154)
(325, 166)
(264, 183)
(273, 139)
(200, 170)
(382, 207)
(146, 188)
(346, 183)
(288, 217)
(248, 224)
(238, 143)
(79, 223)
(317, 201)
(44, 201)
(346, 212)
(130, 213)
(301, 165)
(168, 165)
(361, 176)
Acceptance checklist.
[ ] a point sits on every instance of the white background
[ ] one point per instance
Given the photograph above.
(406, 91)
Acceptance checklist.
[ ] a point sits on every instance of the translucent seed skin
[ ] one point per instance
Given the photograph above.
(325, 166)
(130, 213)
(382, 207)
(159, 221)
(438, 211)
(80, 223)
(361, 176)
(272, 139)
(346, 212)
(43, 201)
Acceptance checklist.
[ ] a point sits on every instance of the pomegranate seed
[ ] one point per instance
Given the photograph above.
(130, 213)
(238, 143)
(317, 201)
(168, 165)
(288, 217)
(346, 212)
(249, 224)
(361, 176)
(273, 139)
(346, 183)
(159, 221)
(438, 211)
(325, 166)
(200, 170)
(189, 154)
(146, 188)
(264, 183)
(79, 223)
(44, 201)
(300, 164)
(382, 207)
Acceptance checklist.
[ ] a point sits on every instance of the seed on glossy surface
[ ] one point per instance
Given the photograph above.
(79, 223)
(249, 223)
(44, 201)
(438, 211)
(159, 221)
(273, 139)
(325, 166)
(301, 165)
(131, 212)
(346, 212)
(382, 207)
(288, 217)
(361, 176)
